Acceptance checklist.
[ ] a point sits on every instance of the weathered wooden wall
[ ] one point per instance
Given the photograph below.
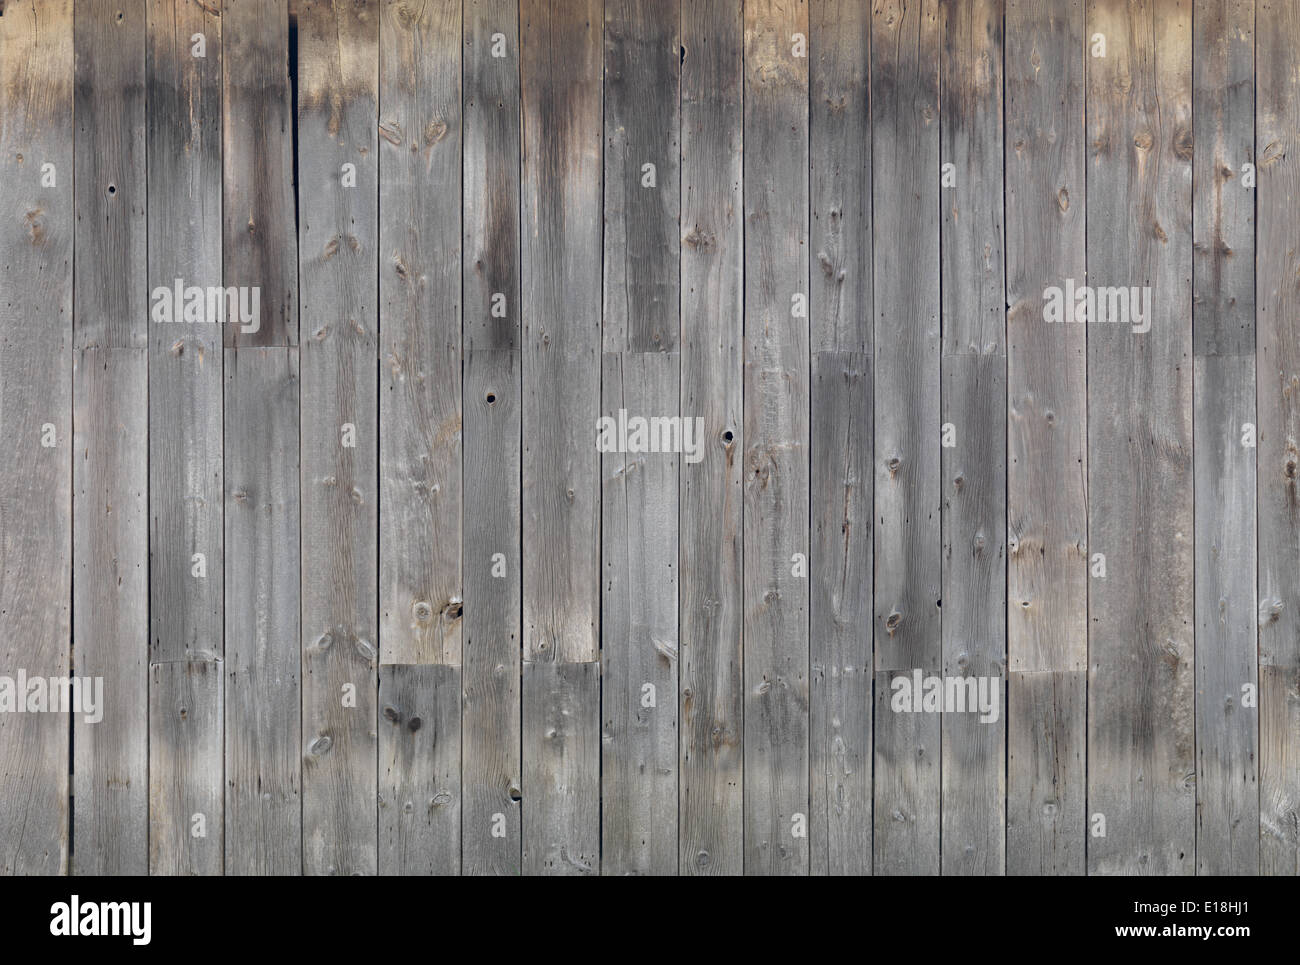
(368, 598)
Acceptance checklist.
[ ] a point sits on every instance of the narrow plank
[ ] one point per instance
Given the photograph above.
(262, 655)
(257, 156)
(776, 438)
(641, 240)
(110, 421)
(490, 725)
(1047, 469)
(560, 77)
(974, 406)
(183, 143)
(110, 604)
(561, 800)
(1141, 706)
(338, 279)
(973, 764)
(711, 506)
(1223, 322)
(1046, 741)
(839, 137)
(185, 760)
(839, 614)
(36, 74)
(419, 291)
(491, 722)
(905, 256)
(639, 553)
(419, 770)
(490, 107)
(1277, 346)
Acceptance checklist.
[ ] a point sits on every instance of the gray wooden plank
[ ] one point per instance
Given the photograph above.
(776, 438)
(263, 765)
(839, 137)
(1277, 346)
(185, 768)
(1047, 515)
(1046, 714)
(1141, 709)
(639, 554)
(183, 145)
(973, 760)
(1223, 335)
(419, 293)
(1047, 468)
(257, 158)
(110, 603)
(905, 257)
(36, 129)
(560, 77)
(641, 240)
(338, 279)
(419, 769)
(110, 295)
(711, 504)
(490, 214)
(840, 615)
(490, 725)
(561, 767)
(905, 784)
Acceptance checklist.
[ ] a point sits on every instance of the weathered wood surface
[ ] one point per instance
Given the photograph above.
(368, 595)
(36, 242)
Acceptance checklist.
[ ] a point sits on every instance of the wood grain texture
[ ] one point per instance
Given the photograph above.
(1223, 336)
(711, 807)
(1277, 346)
(840, 567)
(259, 198)
(1141, 733)
(338, 278)
(263, 687)
(776, 438)
(639, 552)
(36, 338)
(421, 607)
(905, 38)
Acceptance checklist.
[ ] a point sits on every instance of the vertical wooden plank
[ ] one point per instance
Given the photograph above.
(258, 159)
(419, 770)
(263, 658)
(839, 618)
(641, 205)
(338, 266)
(185, 753)
(776, 437)
(1141, 709)
(1223, 306)
(974, 394)
(110, 419)
(36, 212)
(711, 506)
(905, 257)
(639, 622)
(840, 337)
(186, 591)
(492, 791)
(1047, 470)
(490, 823)
(560, 71)
(419, 289)
(1277, 349)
